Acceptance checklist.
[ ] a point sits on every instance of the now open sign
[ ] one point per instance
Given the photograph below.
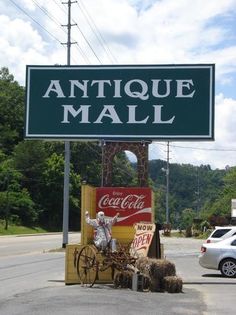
(142, 239)
(120, 102)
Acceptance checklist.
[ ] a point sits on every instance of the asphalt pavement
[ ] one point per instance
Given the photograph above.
(34, 285)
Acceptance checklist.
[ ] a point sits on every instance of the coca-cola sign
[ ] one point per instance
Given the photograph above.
(133, 204)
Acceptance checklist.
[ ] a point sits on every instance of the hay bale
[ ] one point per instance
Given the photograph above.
(146, 283)
(143, 265)
(123, 279)
(156, 270)
(173, 284)
(160, 268)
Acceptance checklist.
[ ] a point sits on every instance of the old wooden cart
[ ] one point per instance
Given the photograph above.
(89, 262)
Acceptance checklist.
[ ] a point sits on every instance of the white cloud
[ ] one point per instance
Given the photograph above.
(28, 4)
(20, 44)
(21, 34)
(218, 153)
(225, 121)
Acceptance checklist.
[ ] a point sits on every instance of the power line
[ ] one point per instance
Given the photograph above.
(161, 151)
(49, 15)
(52, 18)
(90, 46)
(81, 32)
(202, 149)
(96, 31)
(46, 12)
(27, 14)
(57, 22)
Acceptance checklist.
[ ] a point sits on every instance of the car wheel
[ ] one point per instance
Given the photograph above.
(228, 268)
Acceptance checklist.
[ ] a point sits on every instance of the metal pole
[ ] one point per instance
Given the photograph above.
(198, 193)
(102, 147)
(66, 193)
(167, 185)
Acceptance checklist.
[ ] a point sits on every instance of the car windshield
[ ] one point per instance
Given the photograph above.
(219, 233)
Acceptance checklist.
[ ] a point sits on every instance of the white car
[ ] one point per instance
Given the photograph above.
(220, 233)
(220, 256)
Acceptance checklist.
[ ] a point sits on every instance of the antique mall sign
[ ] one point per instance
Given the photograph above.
(142, 240)
(133, 204)
(120, 102)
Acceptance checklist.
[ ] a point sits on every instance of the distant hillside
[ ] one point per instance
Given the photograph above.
(189, 187)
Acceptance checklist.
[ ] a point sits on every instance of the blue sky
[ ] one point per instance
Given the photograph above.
(134, 32)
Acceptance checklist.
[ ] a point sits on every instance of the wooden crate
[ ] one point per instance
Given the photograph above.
(71, 271)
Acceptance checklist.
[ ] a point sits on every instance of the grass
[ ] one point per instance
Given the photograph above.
(177, 234)
(17, 229)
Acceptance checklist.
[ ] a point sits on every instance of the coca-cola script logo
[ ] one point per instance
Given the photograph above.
(131, 201)
(133, 204)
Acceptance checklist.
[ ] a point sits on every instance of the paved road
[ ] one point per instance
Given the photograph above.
(36, 243)
(34, 284)
(217, 292)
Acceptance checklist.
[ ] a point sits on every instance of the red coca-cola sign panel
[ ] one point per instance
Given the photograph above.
(133, 204)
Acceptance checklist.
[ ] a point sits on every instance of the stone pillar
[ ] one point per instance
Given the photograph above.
(140, 149)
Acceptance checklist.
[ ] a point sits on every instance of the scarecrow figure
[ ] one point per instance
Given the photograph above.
(102, 229)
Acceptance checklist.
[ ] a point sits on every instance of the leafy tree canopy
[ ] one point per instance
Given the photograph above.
(12, 111)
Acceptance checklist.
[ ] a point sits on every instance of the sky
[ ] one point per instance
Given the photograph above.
(134, 32)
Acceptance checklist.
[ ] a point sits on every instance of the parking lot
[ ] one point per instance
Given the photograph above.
(33, 283)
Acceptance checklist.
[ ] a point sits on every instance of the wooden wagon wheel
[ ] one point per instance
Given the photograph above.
(87, 265)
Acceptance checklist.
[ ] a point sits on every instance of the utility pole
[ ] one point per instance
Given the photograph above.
(66, 192)
(167, 171)
(198, 192)
(102, 143)
(167, 184)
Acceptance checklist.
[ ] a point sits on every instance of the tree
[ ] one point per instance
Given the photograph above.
(123, 174)
(52, 178)
(12, 111)
(29, 158)
(187, 218)
(220, 209)
(189, 187)
(160, 212)
(14, 200)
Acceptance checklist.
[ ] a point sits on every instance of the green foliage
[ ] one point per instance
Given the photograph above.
(123, 174)
(12, 109)
(52, 188)
(10, 178)
(221, 206)
(87, 161)
(205, 225)
(187, 218)
(159, 197)
(18, 204)
(15, 201)
(189, 187)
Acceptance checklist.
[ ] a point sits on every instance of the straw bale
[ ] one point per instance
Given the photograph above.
(156, 270)
(143, 265)
(173, 284)
(123, 279)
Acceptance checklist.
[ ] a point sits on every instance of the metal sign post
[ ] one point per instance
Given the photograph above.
(66, 190)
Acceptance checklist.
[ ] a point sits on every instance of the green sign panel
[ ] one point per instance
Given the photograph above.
(168, 102)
